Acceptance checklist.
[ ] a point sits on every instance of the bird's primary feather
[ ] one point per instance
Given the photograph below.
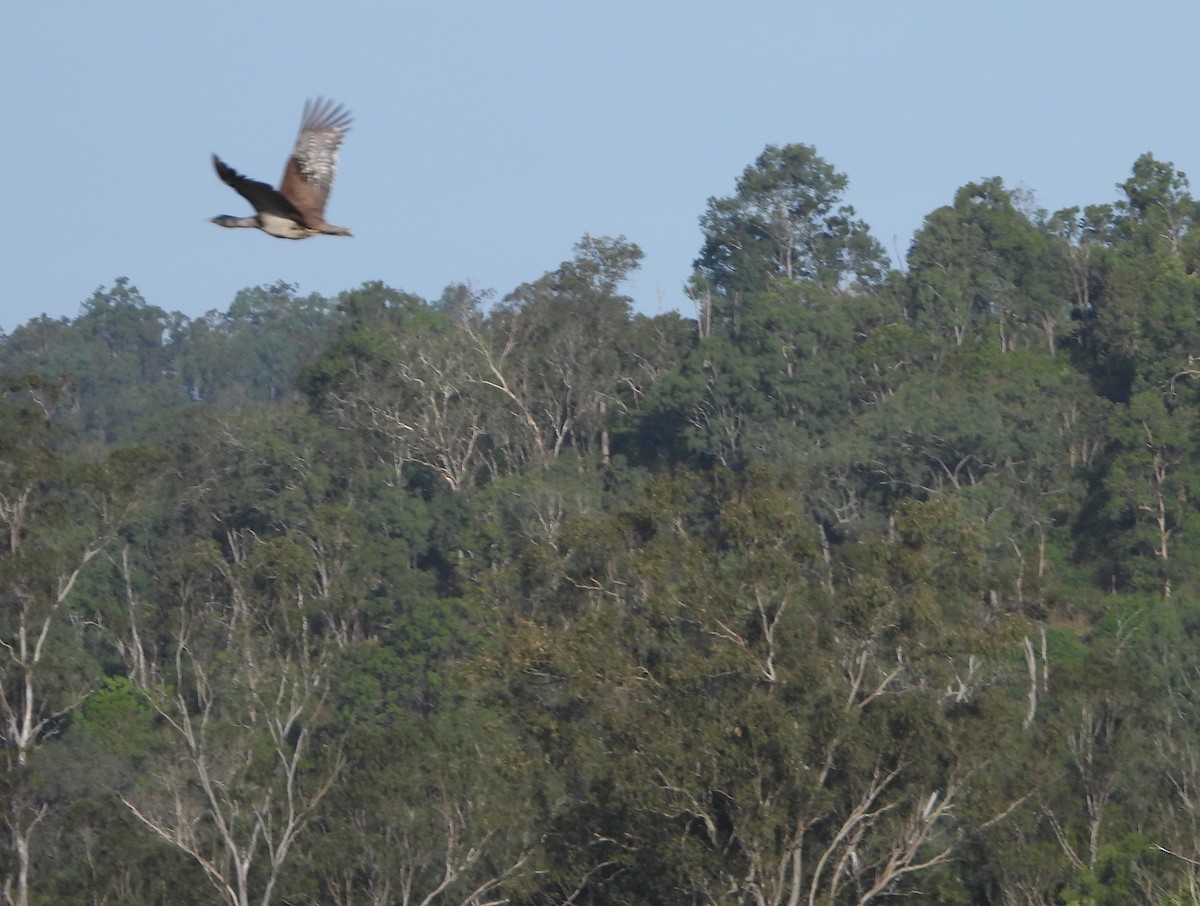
(262, 196)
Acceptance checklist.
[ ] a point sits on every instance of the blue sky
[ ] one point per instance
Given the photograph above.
(490, 135)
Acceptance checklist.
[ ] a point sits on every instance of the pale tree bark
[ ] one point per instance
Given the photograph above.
(239, 789)
(1038, 679)
(427, 407)
(821, 837)
(1183, 845)
(1151, 477)
(1177, 832)
(886, 834)
(499, 374)
(847, 840)
(1090, 745)
(29, 704)
(404, 864)
(1157, 507)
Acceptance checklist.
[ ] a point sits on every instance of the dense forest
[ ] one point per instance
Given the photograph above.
(854, 582)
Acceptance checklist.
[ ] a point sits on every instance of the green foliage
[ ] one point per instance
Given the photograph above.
(984, 268)
(786, 222)
(740, 692)
(254, 352)
(863, 584)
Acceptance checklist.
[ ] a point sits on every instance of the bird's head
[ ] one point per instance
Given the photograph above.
(228, 220)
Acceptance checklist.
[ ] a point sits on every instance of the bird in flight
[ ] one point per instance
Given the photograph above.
(297, 209)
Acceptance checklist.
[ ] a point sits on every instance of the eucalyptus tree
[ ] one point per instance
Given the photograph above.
(1139, 331)
(59, 512)
(785, 221)
(234, 601)
(116, 357)
(424, 816)
(255, 350)
(736, 726)
(1156, 213)
(553, 351)
(783, 265)
(1150, 482)
(415, 395)
(239, 690)
(985, 268)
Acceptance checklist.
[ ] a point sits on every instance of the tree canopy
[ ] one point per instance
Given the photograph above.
(867, 582)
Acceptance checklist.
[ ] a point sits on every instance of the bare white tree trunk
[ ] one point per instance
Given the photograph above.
(28, 708)
(237, 792)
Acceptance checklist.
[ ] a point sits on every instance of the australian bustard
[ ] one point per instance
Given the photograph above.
(297, 209)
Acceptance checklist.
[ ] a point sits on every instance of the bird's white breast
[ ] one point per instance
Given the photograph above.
(282, 227)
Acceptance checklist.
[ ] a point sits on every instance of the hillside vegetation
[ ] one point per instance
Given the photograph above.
(861, 583)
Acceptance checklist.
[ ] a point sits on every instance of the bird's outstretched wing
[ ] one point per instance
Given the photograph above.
(309, 173)
(264, 198)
